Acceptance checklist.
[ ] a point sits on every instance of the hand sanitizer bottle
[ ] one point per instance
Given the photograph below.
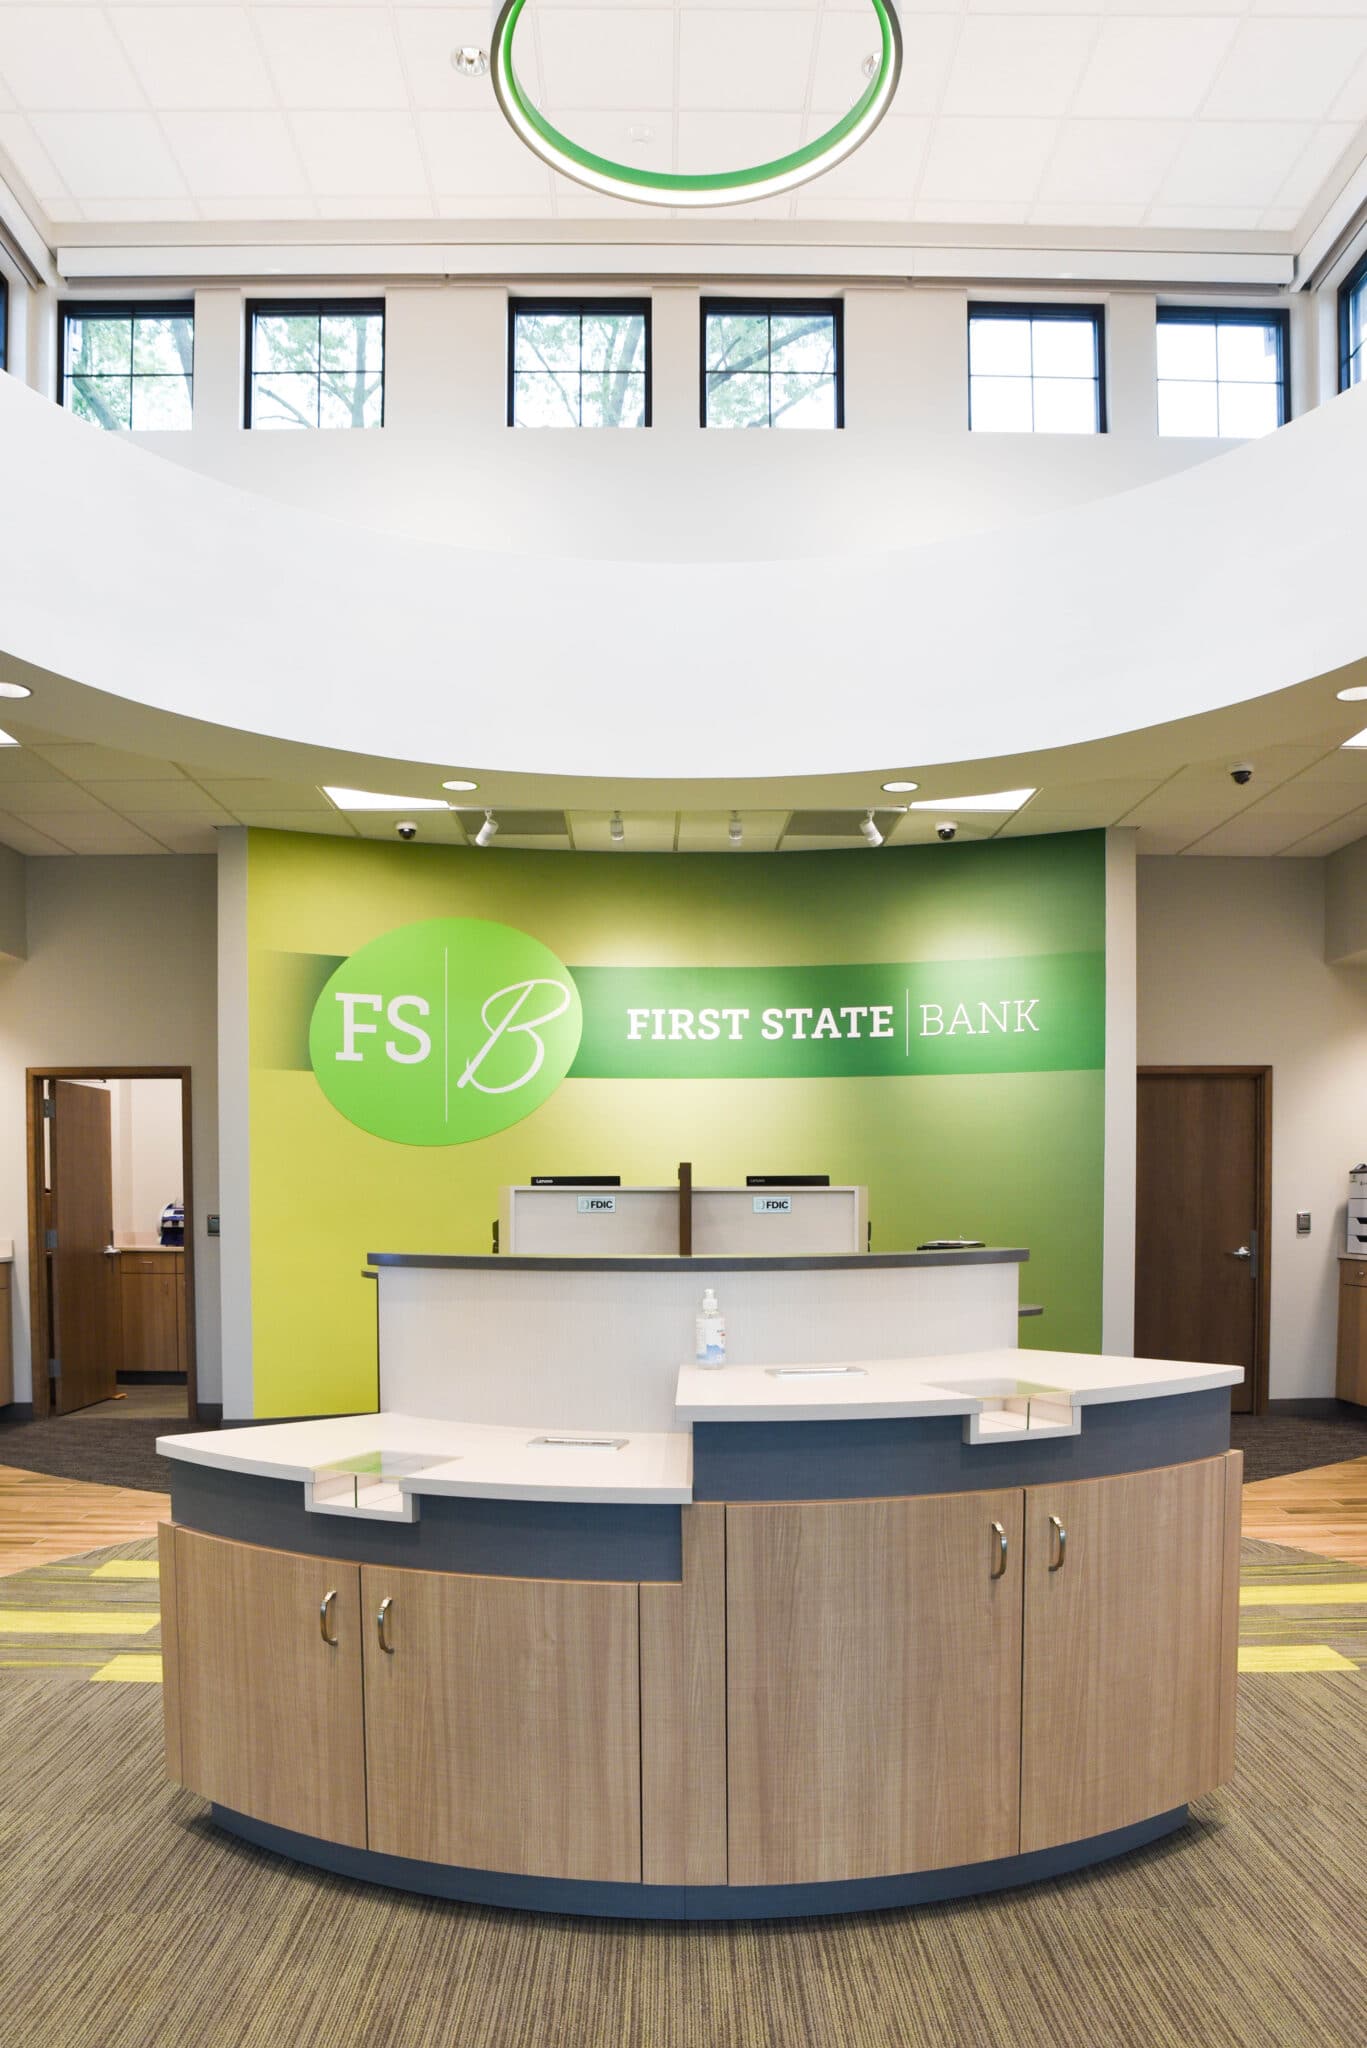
(709, 1328)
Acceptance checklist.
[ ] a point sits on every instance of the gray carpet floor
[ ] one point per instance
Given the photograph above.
(128, 1921)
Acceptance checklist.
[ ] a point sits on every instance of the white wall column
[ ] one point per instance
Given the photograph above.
(1117, 1254)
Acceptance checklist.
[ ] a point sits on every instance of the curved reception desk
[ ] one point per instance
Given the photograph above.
(884, 1611)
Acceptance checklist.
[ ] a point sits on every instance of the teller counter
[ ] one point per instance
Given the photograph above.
(883, 1611)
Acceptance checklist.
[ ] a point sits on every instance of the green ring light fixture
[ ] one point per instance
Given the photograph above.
(703, 188)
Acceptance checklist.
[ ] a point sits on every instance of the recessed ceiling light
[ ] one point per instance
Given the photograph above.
(372, 800)
(1353, 696)
(469, 61)
(22, 690)
(7, 739)
(995, 800)
(456, 783)
(1359, 739)
(900, 788)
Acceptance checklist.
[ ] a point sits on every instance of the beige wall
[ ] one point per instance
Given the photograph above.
(121, 968)
(1232, 971)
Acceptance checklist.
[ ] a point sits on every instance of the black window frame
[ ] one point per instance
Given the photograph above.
(753, 309)
(123, 309)
(348, 303)
(1046, 309)
(560, 308)
(4, 326)
(1277, 317)
(1355, 281)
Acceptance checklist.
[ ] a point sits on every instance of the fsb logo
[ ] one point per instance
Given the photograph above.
(445, 1031)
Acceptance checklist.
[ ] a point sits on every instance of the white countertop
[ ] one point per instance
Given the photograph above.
(959, 1383)
(989, 1389)
(472, 1459)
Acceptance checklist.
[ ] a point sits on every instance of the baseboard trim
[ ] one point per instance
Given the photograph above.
(210, 1415)
(16, 1411)
(1322, 1410)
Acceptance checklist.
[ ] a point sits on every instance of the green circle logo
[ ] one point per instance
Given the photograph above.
(445, 1031)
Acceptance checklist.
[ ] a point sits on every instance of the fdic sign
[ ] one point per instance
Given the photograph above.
(455, 1028)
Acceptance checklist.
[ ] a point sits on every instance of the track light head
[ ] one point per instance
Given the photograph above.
(488, 831)
(734, 831)
(871, 831)
(617, 831)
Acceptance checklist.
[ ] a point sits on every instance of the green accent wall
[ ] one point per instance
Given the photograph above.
(1014, 1157)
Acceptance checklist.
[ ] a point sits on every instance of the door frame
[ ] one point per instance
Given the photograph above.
(1262, 1197)
(40, 1335)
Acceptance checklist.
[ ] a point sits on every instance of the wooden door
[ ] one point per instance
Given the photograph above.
(873, 1686)
(502, 1726)
(85, 1330)
(1130, 1652)
(1201, 1250)
(269, 1713)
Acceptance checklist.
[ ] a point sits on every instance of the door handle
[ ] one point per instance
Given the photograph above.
(1060, 1540)
(324, 1612)
(1242, 1253)
(998, 1551)
(382, 1626)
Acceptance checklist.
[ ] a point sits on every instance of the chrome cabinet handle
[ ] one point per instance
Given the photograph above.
(1061, 1543)
(382, 1626)
(323, 1613)
(999, 1553)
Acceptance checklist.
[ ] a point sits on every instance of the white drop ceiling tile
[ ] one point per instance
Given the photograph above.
(609, 133)
(1031, 823)
(592, 59)
(268, 206)
(1350, 102)
(30, 159)
(332, 824)
(6, 98)
(176, 832)
(86, 763)
(259, 793)
(333, 56)
(498, 206)
(478, 152)
(918, 829)
(435, 828)
(360, 152)
(64, 57)
(1087, 213)
(1317, 161)
(1160, 68)
(1249, 838)
(112, 156)
(24, 764)
(185, 797)
(845, 40)
(104, 834)
(979, 160)
(1343, 832)
(48, 799)
(1285, 70)
(725, 142)
(22, 837)
(1153, 839)
(1110, 162)
(236, 156)
(741, 58)
(1000, 213)
(194, 56)
(646, 831)
(1006, 63)
(1343, 765)
(887, 167)
(428, 35)
(705, 831)
(403, 206)
(1239, 218)
(810, 204)
(1234, 163)
(139, 209)
(1108, 798)
(577, 202)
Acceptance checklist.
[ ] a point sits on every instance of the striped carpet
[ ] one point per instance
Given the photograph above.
(127, 1921)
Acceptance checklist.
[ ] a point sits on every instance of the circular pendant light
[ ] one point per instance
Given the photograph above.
(702, 188)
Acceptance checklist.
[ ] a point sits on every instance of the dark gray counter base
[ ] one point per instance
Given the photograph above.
(695, 1902)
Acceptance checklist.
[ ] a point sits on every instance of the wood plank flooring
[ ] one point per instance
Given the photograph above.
(42, 1518)
(1323, 1510)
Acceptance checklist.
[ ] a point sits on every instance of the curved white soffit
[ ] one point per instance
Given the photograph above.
(136, 577)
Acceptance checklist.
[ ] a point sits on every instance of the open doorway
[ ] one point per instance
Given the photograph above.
(111, 1242)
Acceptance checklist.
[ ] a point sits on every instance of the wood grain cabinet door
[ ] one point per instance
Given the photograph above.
(269, 1712)
(1129, 1647)
(873, 1686)
(503, 1723)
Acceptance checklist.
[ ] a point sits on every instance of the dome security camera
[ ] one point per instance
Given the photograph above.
(1242, 773)
(946, 829)
(406, 830)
